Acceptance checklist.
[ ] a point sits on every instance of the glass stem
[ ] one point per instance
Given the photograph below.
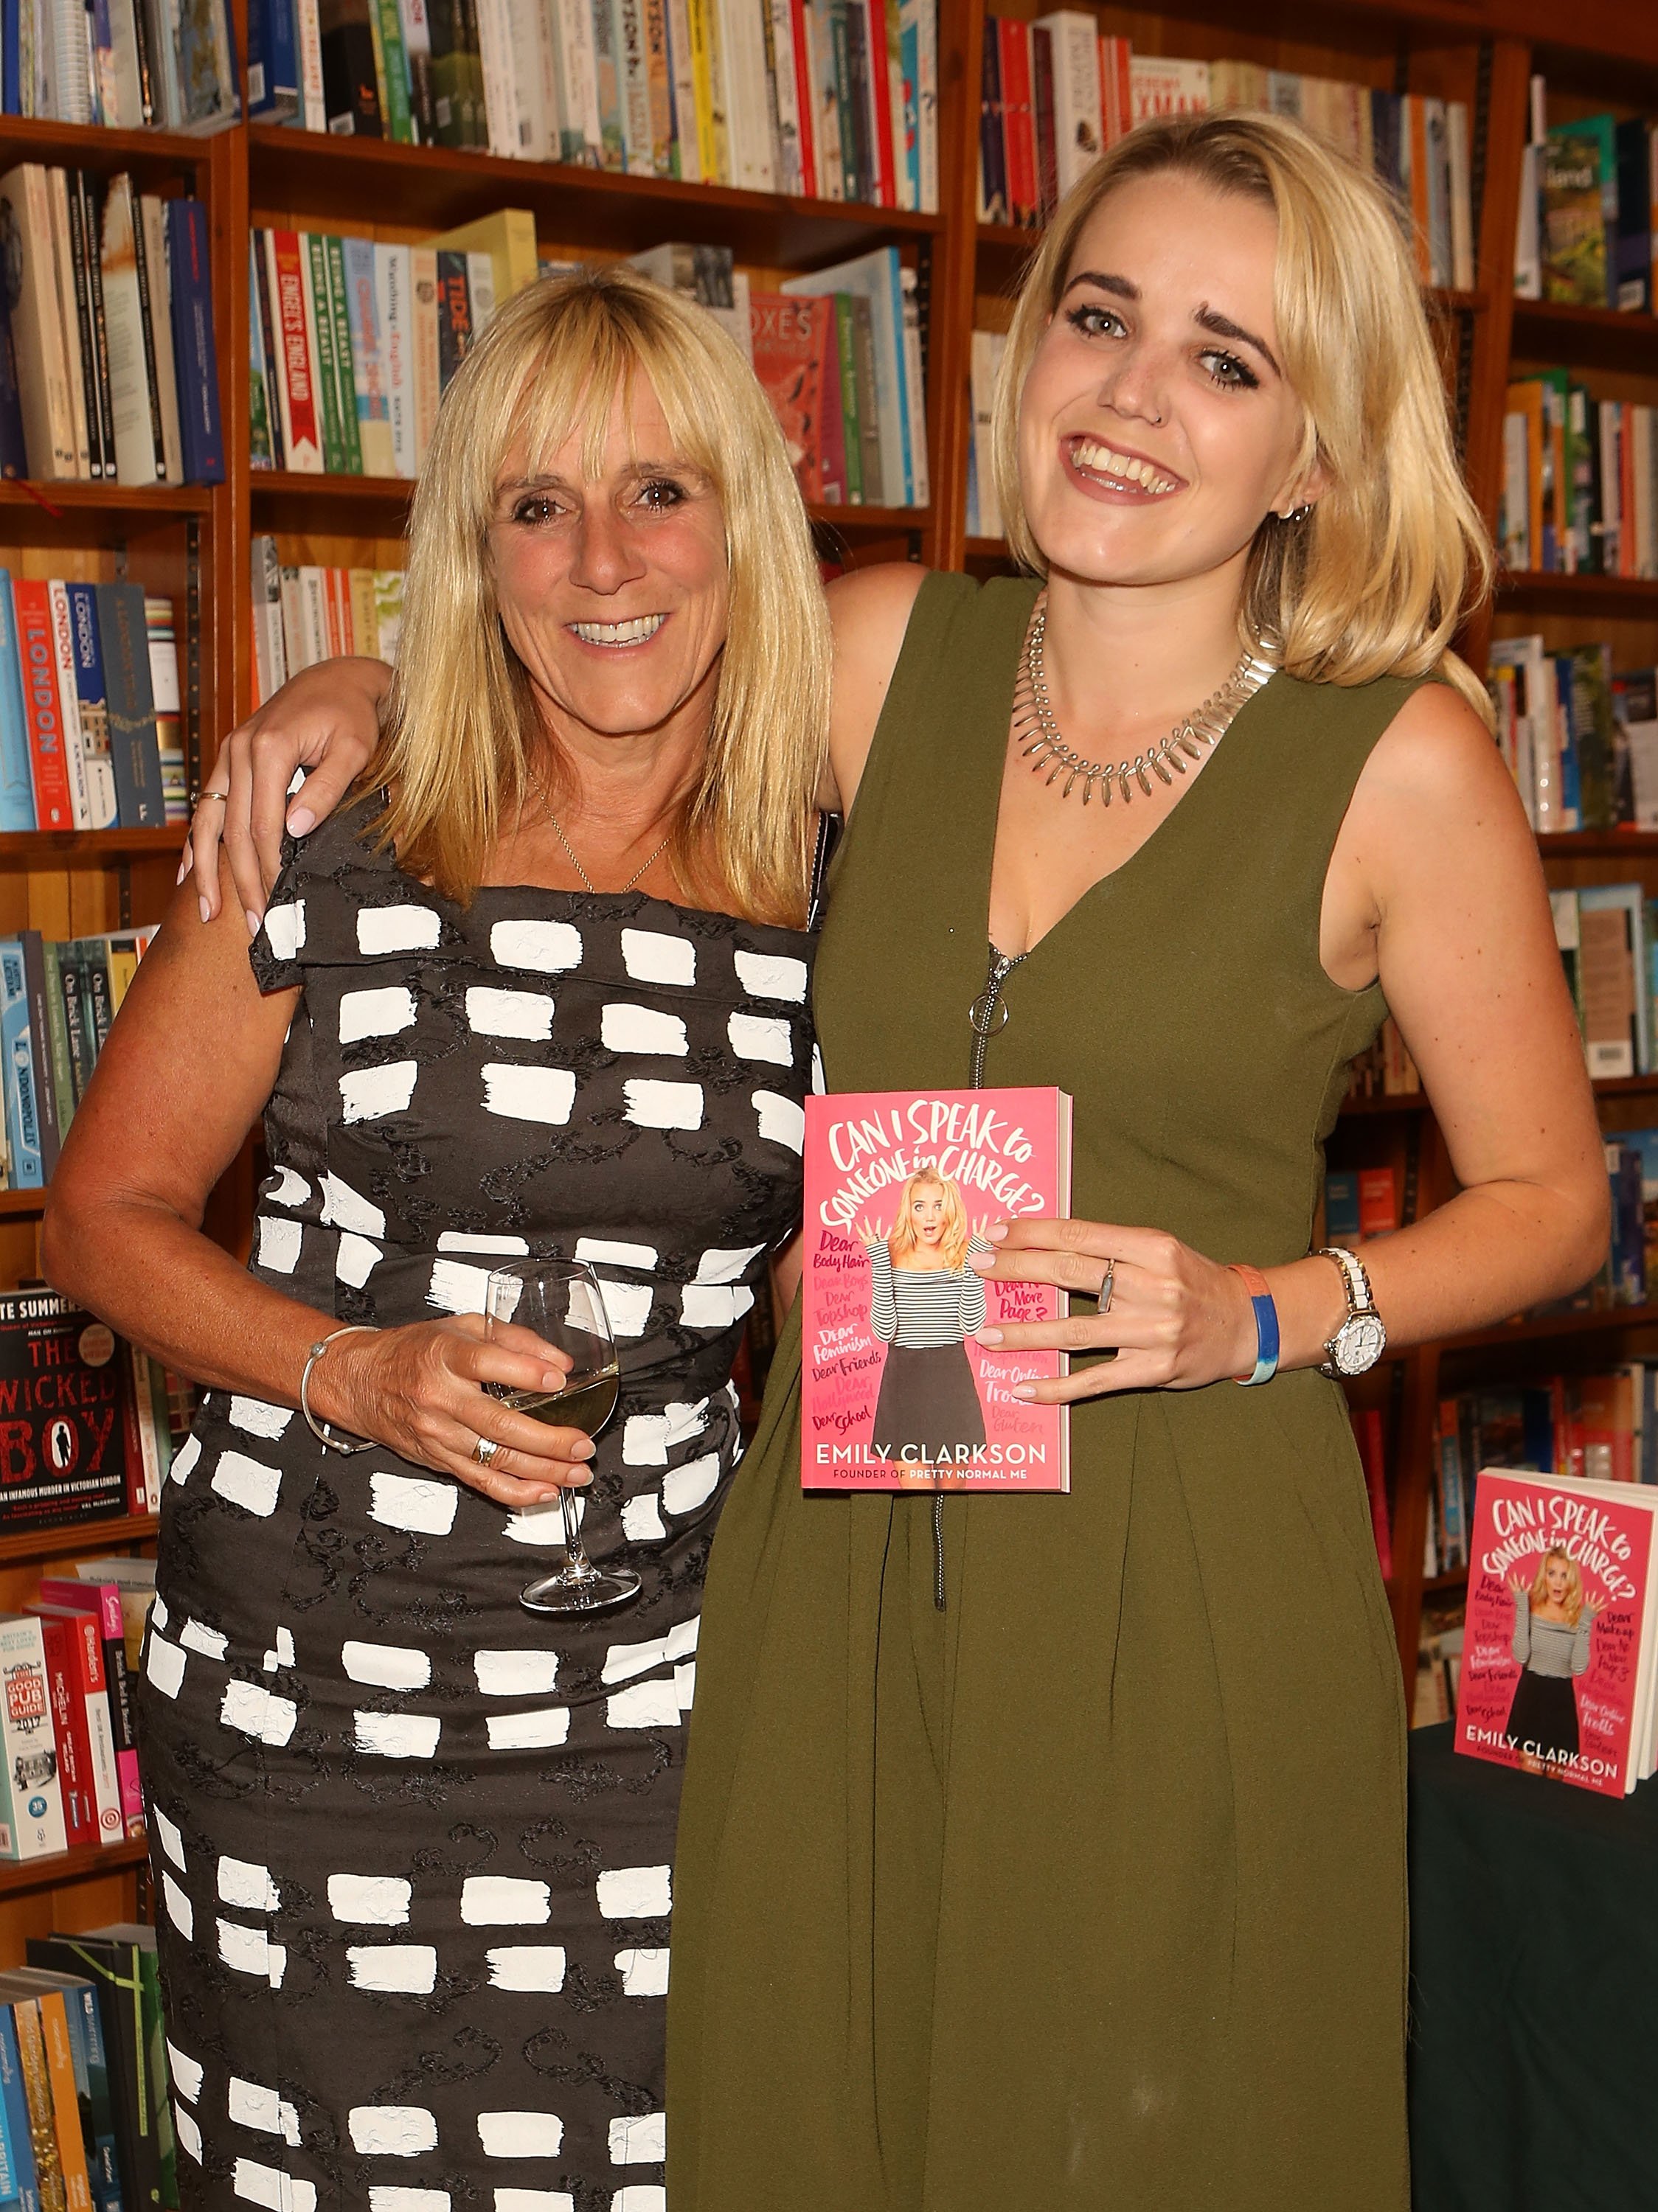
(576, 1561)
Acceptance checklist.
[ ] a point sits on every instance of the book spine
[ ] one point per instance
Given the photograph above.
(339, 321)
(367, 358)
(37, 2090)
(659, 88)
(134, 751)
(99, 325)
(147, 324)
(31, 1754)
(98, 2111)
(14, 2103)
(46, 1088)
(37, 325)
(428, 366)
(298, 383)
(883, 172)
(319, 330)
(16, 779)
(455, 318)
(64, 285)
(853, 428)
(91, 1687)
(195, 352)
(92, 711)
(415, 25)
(391, 294)
(65, 2102)
(53, 806)
(260, 281)
(85, 346)
(350, 93)
(74, 754)
(714, 157)
(58, 1045)
(789, 174)
(637, 129)
(69, 1728)
(687, 141)
(16, 1043)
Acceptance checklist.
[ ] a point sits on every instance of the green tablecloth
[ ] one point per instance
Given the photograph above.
(1533, 1991)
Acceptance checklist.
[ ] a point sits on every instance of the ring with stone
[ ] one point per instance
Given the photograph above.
(222, 797)
(485, 1449)
(1107, 1286)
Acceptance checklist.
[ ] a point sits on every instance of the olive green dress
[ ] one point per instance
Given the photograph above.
(1088, 1890)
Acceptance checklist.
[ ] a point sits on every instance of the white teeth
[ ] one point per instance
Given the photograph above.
(627, 633)
(1104, 462)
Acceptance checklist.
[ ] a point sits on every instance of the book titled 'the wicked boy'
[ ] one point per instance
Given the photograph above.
(901, 1188)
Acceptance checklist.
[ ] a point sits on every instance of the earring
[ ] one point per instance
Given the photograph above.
(1298, 513)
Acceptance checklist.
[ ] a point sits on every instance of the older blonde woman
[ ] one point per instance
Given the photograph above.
(541, 989)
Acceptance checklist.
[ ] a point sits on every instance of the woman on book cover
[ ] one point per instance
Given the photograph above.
(924, 1302)
(538, 991)
(1029, 1855)
(1553, 1622)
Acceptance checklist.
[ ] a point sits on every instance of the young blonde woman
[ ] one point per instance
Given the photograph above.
(540, 990)
(1553, 1625)
(1088, 1888)
(924, 1302)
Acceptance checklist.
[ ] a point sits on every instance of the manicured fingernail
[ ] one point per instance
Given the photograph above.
(998, 1231)
(185, 865)
(581, 1481)
(989, 1336)
(252, 921)
(983, 1261)
(207, 911)
(580, 1451)
(1025, 1390)
(300, 821)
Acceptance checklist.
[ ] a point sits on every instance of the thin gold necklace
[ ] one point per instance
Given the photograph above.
(1204, 727)
(586, 879)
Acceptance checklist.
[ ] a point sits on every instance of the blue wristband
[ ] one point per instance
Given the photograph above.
(1266, 1325)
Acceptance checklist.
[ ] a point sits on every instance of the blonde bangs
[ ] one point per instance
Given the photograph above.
(1380, 577)
(463, 736)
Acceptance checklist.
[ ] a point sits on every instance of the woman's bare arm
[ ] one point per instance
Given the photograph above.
(187, 1070)
(326, 721)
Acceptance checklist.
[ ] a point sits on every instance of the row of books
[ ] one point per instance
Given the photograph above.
(1055, 93)
(58, 1000)
(305, 614)
(842, 369)
(1581, 741)
(1607, 934)
(91, 736)
(1385, 1069)
(1587, 233)
(1580, 481)
(1439, 1662)
(84, 2124)
(828, 98)
(71, 1772)
(129, 64)
(108, 366)
(1559, 1660)
(1360, 1203)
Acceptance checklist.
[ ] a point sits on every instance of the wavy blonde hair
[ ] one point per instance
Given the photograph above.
(952, 1241)
(1378, 578)
(1572, 1606)
(460, 744)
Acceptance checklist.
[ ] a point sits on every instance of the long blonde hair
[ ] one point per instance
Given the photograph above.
(461, 744)
(1378, 578)
(1572, 1604)
(952, 1240)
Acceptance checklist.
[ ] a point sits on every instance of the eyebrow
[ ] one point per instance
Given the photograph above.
(1206, 318)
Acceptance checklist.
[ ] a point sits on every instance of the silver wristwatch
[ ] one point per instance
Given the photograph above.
(1359, 1342)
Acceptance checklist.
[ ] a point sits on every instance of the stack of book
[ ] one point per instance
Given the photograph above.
(839, 354)
(108, 370)
(1606, 933)
(831, 98)
(305, 614)
(56, 1003)
(1055, 93)
(1581, 741)
(90, 736)
(1587, 236)
(126, 64)
(353, 343)
(1580, 481)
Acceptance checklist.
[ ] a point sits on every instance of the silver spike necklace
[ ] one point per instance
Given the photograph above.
(1038, 738)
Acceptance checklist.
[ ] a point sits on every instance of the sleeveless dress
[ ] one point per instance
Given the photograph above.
(1088, 1890)
(412, 1844)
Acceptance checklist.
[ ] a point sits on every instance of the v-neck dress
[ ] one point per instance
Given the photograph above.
(1087, 1891)
(413, 1846)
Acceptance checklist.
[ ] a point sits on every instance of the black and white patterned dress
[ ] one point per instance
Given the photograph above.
(414, 1845)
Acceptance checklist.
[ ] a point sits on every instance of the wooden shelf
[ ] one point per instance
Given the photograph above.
(310, 173)
(33, 849)
(60, 514)
(1605, 595)
(1598, 844)
(78, 1540)
(1588, 337)
(71, 1866)
(1605, 1321)
(156, 157)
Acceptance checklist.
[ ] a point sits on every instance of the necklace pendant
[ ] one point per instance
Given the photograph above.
(1122, 783)
(1157, 763)
(1105, 788)
(1053, 772)
(1088, 786)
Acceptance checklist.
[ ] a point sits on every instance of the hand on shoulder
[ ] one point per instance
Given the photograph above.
(869, 610)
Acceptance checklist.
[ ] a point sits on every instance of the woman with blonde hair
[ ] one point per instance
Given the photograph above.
(539, 990)
(1048, 1852)
(1553, 1625)
(924, 1302)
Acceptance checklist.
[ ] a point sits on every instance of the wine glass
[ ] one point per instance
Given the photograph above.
(560, 1301)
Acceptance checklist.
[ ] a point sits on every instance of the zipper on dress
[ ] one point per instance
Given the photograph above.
(982, 1014)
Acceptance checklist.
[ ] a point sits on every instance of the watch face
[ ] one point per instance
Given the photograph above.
(1358, 1344)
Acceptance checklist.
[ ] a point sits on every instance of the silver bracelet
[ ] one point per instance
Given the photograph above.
(324, 1430)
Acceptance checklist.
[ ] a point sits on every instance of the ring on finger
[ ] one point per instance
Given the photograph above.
(1107, 1286)
(485, 1449)
(223, 798)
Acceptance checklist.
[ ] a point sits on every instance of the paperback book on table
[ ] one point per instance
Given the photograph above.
(896, 1392)
(1560, 1655)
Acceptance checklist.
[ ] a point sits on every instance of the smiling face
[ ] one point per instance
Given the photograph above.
(613, 592)
(1156, 429)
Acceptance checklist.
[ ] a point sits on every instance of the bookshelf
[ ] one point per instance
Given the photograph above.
(193, 544)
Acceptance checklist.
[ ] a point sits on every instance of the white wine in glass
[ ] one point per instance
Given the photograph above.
(560, 1301)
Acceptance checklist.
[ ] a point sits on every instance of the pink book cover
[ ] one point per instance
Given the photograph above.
(1557, 1642)
(897, 1393)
